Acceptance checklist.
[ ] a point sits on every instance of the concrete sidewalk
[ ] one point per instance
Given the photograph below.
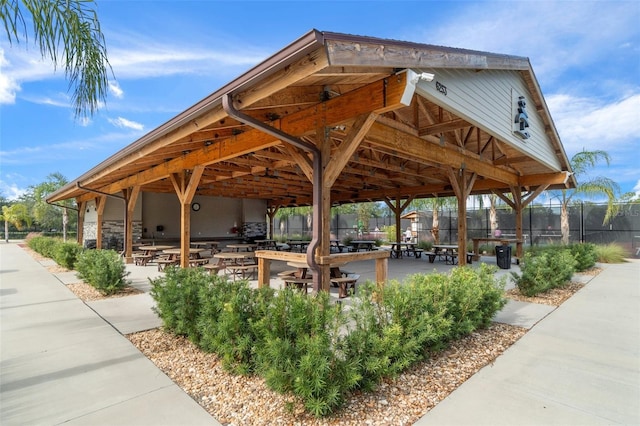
(580, 365)
(62, 363)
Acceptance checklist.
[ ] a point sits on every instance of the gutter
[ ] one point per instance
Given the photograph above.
(227, 105)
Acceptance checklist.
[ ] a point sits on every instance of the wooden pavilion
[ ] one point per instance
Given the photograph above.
(336, 118)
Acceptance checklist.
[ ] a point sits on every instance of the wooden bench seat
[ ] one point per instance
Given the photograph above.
(198, 262)
(213, 268)
(344, 283)
(452, 258)
(301, 284)
(141, 259)
(432, 255)
(163, 263)
(285, 274)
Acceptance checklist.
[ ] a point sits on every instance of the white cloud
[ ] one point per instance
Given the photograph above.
(133, 55)
(124, 123)
(587, 122)
(11, 191)
(8, 85)
(556, 35)
(115, 90)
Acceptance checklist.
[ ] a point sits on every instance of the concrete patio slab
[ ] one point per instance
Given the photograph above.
(523, 314)
(128, 314)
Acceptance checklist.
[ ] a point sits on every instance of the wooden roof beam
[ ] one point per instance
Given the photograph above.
(380, 96)
(416, 147)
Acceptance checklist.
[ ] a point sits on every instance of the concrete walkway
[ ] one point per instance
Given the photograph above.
(67, 361)
(62, 363)
(580, 365)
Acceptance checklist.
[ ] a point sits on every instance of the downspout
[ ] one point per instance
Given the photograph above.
(227, 105)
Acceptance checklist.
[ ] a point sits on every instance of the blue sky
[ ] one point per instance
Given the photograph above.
(167, 55)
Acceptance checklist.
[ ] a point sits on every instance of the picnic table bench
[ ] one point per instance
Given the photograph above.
(344, 284)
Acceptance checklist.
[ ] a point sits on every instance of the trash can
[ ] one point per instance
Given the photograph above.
(503, 257)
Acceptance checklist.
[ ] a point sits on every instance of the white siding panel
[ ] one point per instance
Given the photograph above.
(484, 98)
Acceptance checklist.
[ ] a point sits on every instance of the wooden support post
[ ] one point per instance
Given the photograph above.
(82, 208)
(264, 272)
(462, 183)
(100, 201)
(130, 198)
(185, 185)
(397, 207)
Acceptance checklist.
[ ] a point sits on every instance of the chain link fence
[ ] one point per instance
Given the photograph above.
(540, 225)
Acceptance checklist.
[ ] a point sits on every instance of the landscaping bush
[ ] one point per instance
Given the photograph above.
(66, 254)
(611, 253)
(386, 338)
(228, 313)
(103, 269)
(298, 351)
(584, 254)
(313, 348)
(178, 301)
(543, 271)
(43, 245)
(425, 245)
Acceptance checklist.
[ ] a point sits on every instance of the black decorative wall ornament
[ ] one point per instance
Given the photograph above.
(522, 119)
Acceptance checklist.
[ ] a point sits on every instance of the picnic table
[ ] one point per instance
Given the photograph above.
(266, 245)
(365, 245)
(240, 263)
(301, 245)
(400, 247)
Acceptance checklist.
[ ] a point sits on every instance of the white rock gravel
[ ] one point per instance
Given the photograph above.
(241, 400)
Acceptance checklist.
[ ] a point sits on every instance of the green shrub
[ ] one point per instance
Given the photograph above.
(386, 338)
(425, 245)
(541, 272)
(178, 301)
(390, 232)
(229, 311)
(297, 351)
(44, 245)
(103, 269)
(611, 253)
(314, 349)
(66, 254)
(584, 254)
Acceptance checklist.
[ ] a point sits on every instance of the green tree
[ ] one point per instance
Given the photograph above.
(68, 32)
(582, 163)
(16, 215)
(435, 204)
(48, 216)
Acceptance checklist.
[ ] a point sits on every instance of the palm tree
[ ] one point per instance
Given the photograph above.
(435, 205)
(581, 163)
(66, 30)
(15, 214)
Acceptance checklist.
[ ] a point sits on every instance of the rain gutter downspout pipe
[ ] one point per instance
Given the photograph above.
(227, 105)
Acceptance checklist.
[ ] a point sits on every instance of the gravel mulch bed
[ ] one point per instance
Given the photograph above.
(87, 293)
(84, 291)
(241, 400)
(553, 297)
